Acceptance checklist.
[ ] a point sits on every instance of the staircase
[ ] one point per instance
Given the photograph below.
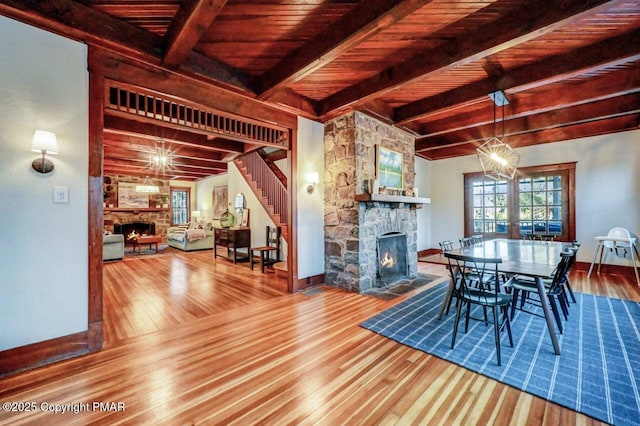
(268, 184)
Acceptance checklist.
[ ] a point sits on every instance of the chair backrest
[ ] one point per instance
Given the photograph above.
(528, 237)
(478, 238)
(466, 242)
(273, 239)
(483, 280)
(446, 245)
(547, 237)
(567, 258)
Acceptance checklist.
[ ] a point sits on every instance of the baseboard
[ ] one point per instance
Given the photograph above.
(312, 281)
(428, 252)
(626, 271)
(42, 353)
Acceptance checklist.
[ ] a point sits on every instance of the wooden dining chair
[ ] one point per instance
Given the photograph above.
(478, 293)
(446, 245)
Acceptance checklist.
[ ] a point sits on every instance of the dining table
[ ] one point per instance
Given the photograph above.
(536, 259)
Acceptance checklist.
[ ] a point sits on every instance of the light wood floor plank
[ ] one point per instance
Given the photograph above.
(190, 340)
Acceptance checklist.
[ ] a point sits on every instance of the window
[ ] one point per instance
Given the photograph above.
(180, 205)
(539, 200)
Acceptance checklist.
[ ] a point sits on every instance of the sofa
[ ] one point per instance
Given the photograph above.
(112, 246)
(194, 237)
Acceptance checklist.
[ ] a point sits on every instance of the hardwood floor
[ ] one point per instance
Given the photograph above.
(189, 350)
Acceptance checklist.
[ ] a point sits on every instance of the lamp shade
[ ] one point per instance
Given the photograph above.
(313, 177)
(44, 141)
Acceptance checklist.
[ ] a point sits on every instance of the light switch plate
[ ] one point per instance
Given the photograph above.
(60, 194)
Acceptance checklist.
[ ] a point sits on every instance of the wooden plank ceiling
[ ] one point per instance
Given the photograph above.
(569, 68)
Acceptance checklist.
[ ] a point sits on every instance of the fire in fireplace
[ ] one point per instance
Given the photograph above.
(392, 257)
(134, 228)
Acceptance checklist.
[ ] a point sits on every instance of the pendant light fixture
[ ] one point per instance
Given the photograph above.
(147, 187)
(160, 159)
(498, 160)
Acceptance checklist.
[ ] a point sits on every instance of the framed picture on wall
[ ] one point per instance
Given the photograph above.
(129, 198)
(220, 201)
(389, 165)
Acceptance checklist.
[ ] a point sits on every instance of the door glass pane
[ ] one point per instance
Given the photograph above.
(525, 198)
(539, 184)
(554, 182)
(489, 200)
(555, 213)
(501, 200)
(489, 226)
(525, 228)
(489, 213)
(501, 227)
(525, 185)
(477, 213)
(501, 213)
(539, 227)
(477, 201)
(539, 213)
(555, 227)
(477, 226)
(539, 198)
(525, 213)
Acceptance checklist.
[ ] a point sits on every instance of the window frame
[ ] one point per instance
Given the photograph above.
(564, 169)
(173, 189)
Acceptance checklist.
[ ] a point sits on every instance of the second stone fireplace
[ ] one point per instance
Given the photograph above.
(354, 221)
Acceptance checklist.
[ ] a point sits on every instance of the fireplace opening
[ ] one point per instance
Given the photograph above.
(392, 257)
(133, 229)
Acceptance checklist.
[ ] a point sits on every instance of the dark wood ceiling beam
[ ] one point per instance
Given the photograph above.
(566, 133)
(584, 113)
(114, 122)
(178, 151)
(127, 171)
(611, 52)
(609, 85)
(193, 18)
(363, 21)
(525, 25)
(118, 153)
(144, 168)
(81, 22)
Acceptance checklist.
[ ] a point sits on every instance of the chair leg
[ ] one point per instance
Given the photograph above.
(564, 305)
(505, 312)
(456, 321)
(514, 302)
(466, 325)
(556, 314)
(568, 285)
(496, 332)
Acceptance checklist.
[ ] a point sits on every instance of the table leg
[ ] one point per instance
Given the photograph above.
(600, 247)
(547, 315)
(445, 299)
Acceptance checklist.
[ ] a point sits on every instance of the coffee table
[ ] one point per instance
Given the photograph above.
(146, 239)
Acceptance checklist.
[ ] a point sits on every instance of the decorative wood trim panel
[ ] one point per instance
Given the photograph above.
(42, 353)
(96, 214)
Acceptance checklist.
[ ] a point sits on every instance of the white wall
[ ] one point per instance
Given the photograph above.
(204, 195)
(258, 216)
(43, 249)
(310, 206)
(423, 180)
(607, 187)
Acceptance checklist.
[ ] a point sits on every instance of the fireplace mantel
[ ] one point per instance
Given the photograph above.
(384, 198)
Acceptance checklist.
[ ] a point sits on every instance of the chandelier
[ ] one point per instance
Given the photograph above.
(498, 160)
(147, 187)
(161, 158)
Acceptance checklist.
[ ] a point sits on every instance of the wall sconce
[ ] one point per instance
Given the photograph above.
(45, 143)
(313, 178)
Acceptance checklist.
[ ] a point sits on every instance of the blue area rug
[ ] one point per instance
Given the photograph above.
(597, 373)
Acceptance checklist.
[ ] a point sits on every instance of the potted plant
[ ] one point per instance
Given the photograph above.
(165, 201)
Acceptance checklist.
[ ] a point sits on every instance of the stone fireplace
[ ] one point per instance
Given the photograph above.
(353, 228)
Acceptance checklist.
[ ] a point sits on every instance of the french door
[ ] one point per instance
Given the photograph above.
(538, 201)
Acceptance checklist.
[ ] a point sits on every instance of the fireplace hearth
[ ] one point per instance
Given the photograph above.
(139, 228)
(392, 258)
